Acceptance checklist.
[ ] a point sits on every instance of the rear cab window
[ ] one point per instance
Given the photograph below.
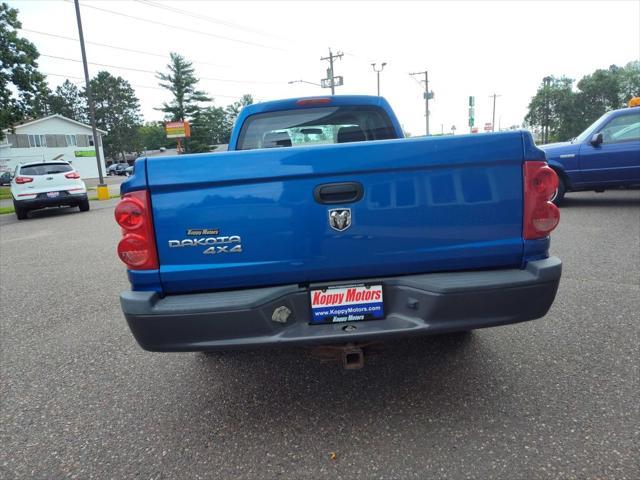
(315, 126)
(45, 169)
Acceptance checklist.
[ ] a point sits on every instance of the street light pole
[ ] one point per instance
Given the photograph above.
(378, 73)
(92, 109)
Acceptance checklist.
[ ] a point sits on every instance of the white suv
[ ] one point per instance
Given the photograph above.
(47, 184)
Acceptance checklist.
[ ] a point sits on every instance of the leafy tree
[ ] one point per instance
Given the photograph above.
(599, 93)
(151, 136)
(67, 100)
(231, 113)
(567, 112)
(208, 127)
(23, 90)
(630, 81)
(606, 90)
(213, 125)
(554, 107)
(117, 112)
(182, 82)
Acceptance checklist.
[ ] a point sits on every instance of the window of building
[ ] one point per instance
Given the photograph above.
(71, 140)
(90, 139)
(36, 141)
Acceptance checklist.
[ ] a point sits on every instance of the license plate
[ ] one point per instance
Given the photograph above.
(351, 303)
(52, 194)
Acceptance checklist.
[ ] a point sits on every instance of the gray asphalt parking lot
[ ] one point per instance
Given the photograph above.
(552, 398)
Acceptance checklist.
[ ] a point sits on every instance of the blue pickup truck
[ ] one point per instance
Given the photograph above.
(606, 155)
(323, 225)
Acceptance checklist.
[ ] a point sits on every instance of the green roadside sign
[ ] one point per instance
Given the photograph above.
(85, 153)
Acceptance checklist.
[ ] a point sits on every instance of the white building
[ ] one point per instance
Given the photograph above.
(52, 138)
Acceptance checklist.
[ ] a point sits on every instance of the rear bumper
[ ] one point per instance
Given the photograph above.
(414, 305)
(67, 199)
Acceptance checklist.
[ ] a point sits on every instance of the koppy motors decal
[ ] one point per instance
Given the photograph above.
(212, 245)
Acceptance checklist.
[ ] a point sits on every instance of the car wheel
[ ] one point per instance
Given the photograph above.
(558, 195)
(21, 212)
(84, 206)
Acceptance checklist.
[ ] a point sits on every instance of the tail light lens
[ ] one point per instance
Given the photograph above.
(24, 179)
(540, 215)
(306, 102)
(137, 249)
(73, 175)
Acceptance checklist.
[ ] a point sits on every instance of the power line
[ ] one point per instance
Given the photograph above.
(209, 19)
(140, 70)
(132, 84)
(168, 25)
(117, 48)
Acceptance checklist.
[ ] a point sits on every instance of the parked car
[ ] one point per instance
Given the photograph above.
(117, 168)
(129, 170)
(50, 184)
(322, 224)
(5, 178)
(606, 155)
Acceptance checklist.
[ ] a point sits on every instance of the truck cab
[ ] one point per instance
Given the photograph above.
(605, 155)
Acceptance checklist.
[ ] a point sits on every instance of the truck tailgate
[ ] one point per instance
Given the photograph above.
(427, 204)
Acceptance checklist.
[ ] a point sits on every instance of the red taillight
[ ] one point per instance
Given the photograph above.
(134, 250)
(73, 175)
(130, 213)
(540, 215)
(305, 102)
(24, 179)
(137, 249)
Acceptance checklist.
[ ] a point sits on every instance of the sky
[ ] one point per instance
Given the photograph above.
(469, 48)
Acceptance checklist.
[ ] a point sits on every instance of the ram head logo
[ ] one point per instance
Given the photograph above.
(340, 218)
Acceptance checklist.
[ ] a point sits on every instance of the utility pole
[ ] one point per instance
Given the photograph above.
(493, 120)
(330, 74)
(378, 73)
(92, 109)
(427, 95)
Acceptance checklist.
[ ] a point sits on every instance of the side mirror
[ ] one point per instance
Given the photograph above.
(597, 139)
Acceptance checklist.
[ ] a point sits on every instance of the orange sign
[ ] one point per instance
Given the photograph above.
(177, 129)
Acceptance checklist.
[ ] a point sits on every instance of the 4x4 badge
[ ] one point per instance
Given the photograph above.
(340, 218)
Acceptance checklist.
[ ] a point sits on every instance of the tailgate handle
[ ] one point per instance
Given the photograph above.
(344, 192)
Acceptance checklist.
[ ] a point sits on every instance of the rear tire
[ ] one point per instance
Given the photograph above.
(560, 191)
(84, 206)
(21, 213)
